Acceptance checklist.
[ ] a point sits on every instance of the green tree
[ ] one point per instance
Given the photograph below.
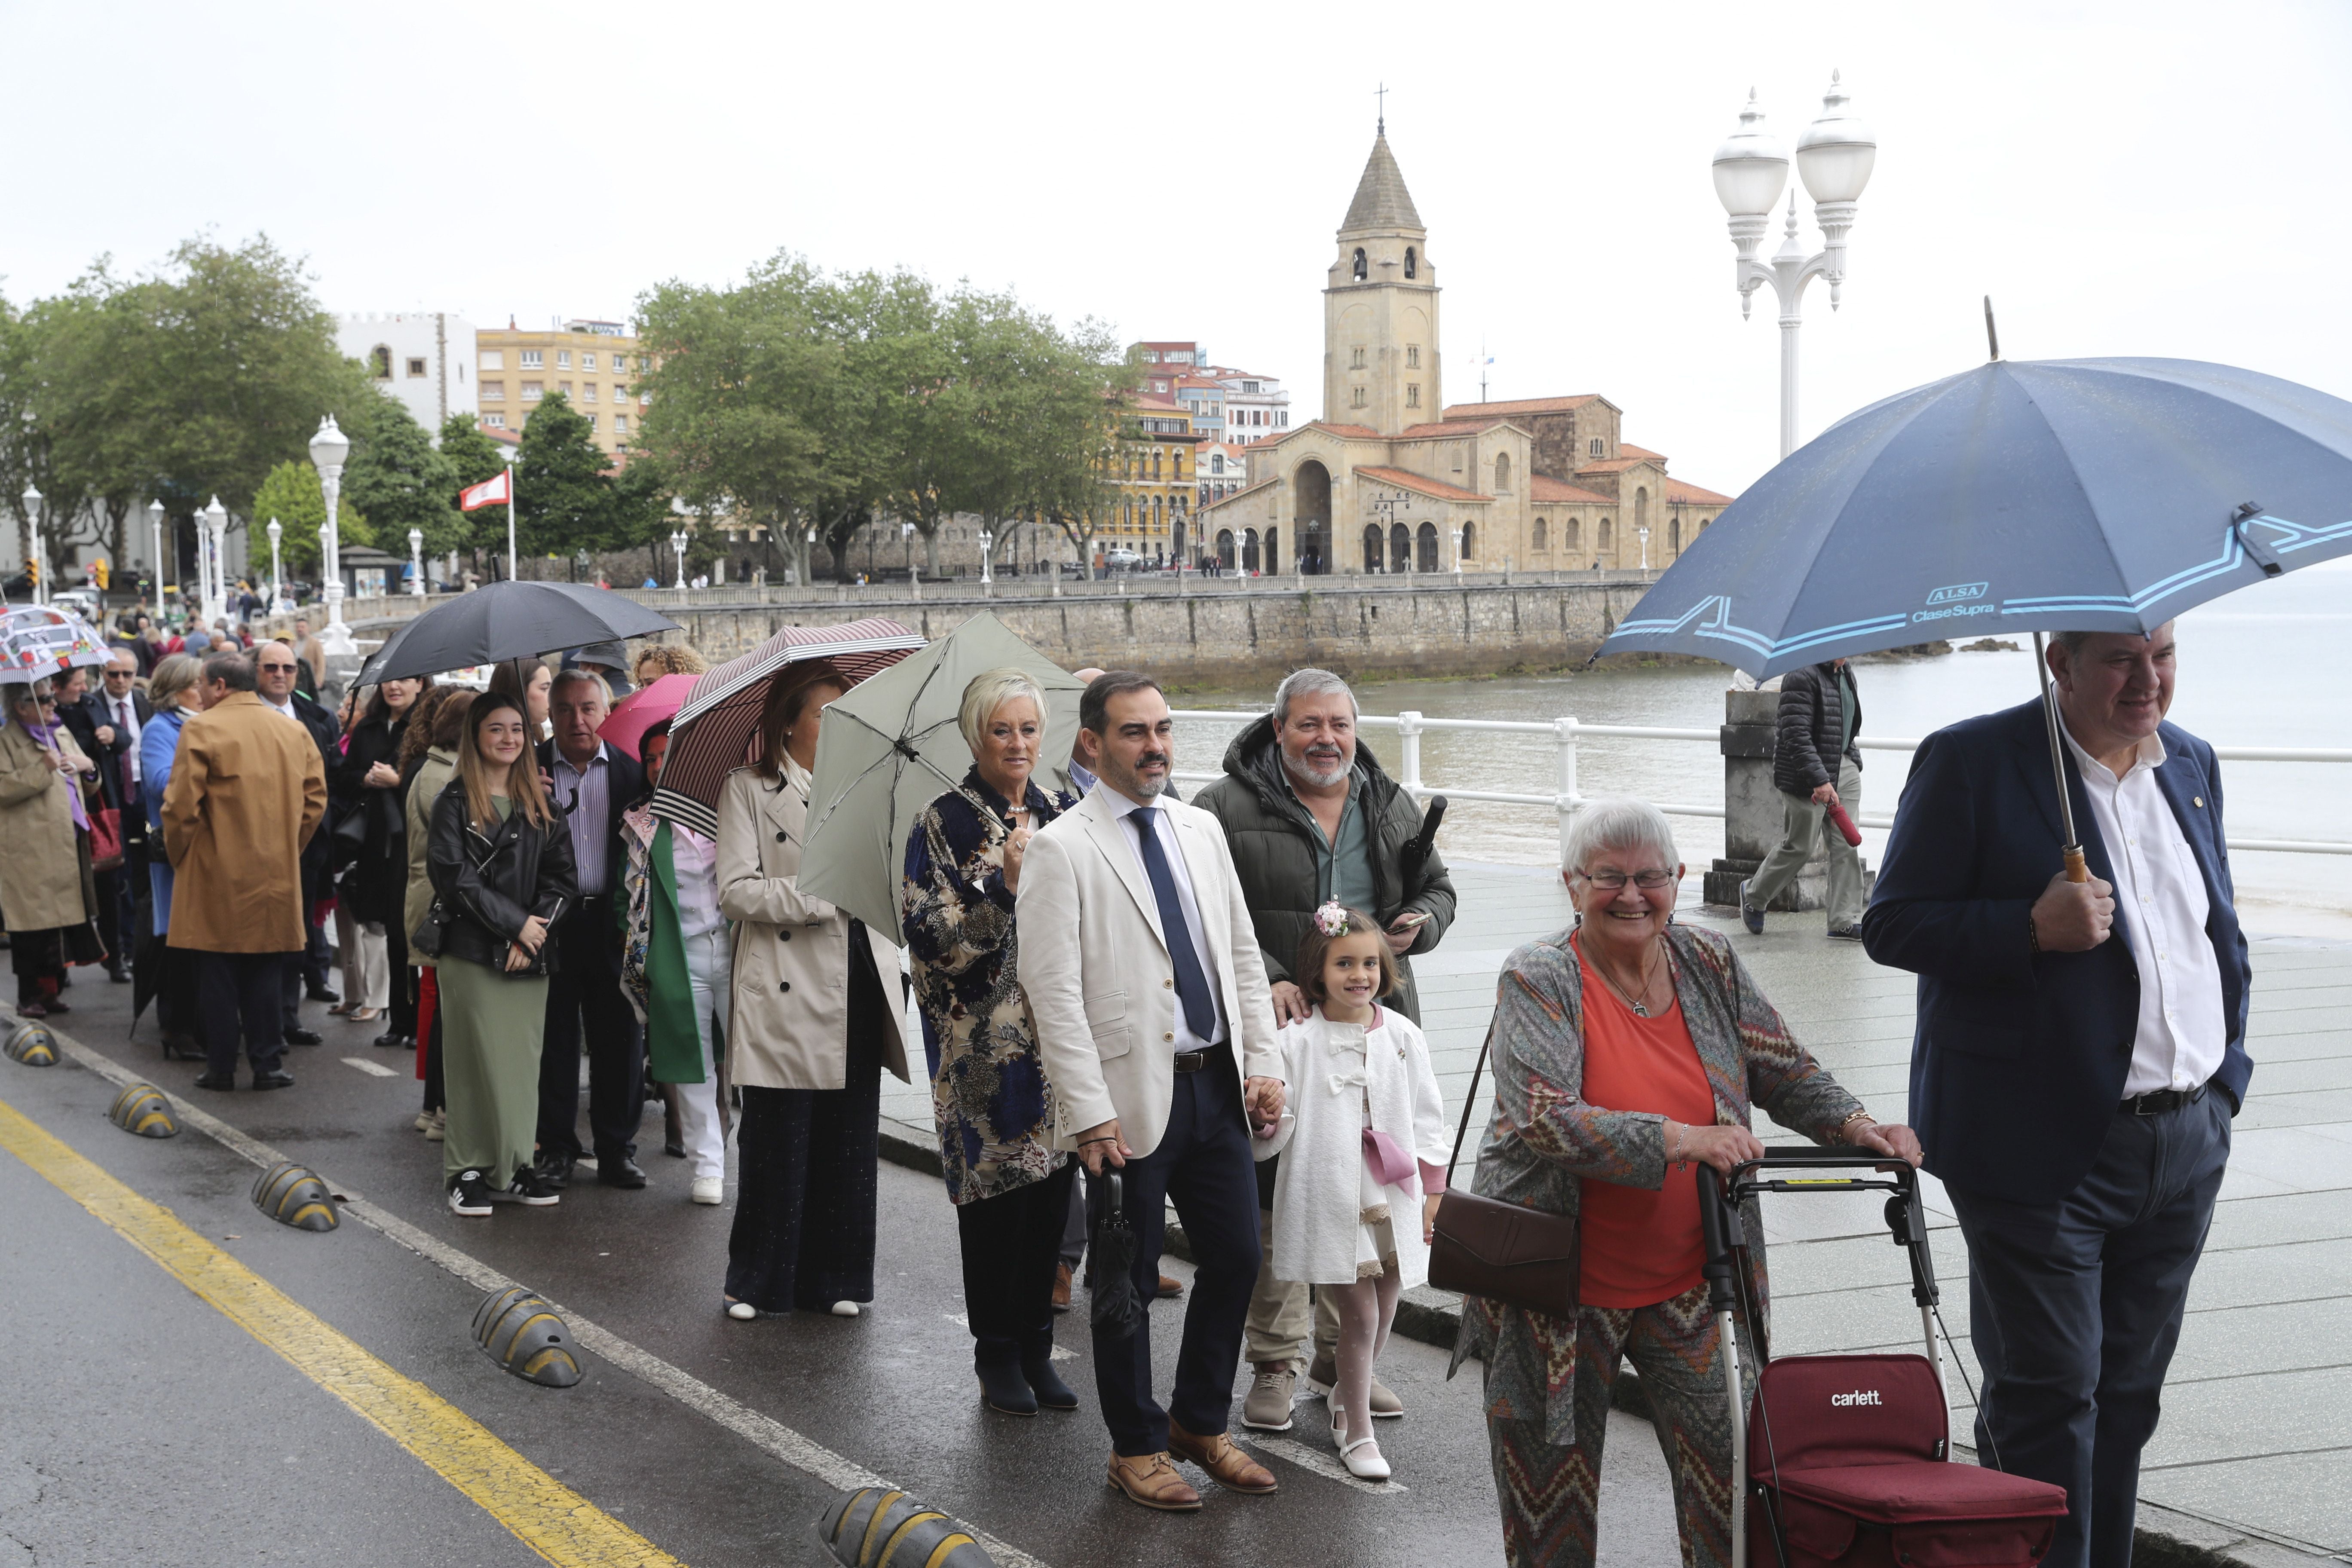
(563, 483)
(397, 478)
(291, 495)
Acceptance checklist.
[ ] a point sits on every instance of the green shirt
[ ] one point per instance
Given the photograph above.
(1343, 866)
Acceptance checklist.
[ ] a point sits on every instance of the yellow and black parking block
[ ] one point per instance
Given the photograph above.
(294, 1194)
(31, 1043)
(141, 1108)
(521, 1333)
(876, 1527)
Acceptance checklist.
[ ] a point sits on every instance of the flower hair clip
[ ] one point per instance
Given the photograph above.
(1331, 920)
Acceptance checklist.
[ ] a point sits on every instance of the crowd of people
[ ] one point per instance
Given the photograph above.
(1129, 1003)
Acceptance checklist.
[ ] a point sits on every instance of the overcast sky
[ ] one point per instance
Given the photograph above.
(2124, 178)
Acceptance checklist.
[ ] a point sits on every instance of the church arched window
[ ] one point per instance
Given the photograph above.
(1469, 542)
(1543, 531)
(1596, 446)
(1372, 542)
(1608, 532)
(1642, 508)
(380, 357)
(1412, 262)
(1361, 271)
(1674, 535)
(1426, 543)
(1573, 540)
(1503, 474)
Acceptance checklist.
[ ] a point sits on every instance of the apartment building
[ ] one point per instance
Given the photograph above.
(595, 364)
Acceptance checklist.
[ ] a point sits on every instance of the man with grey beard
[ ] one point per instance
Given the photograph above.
(1310, 815)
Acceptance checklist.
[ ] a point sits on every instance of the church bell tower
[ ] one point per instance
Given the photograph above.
(1380, 310)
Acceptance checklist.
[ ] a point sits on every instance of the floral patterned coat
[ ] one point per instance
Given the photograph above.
(989, 1092)
(1545, 1143)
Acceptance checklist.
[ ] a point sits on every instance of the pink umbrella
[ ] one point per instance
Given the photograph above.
(643, 708)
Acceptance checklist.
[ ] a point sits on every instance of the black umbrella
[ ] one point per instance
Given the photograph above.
(509, 620)
(1110, 1265)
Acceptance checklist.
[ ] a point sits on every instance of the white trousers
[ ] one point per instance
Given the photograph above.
(367, 970)
(709, 966)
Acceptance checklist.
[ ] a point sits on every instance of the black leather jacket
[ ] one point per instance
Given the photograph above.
(1813, 714)
(488, 884)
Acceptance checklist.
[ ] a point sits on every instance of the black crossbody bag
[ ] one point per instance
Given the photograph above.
(1502, 1251)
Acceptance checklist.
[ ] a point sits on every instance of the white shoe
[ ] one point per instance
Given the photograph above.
(742, 1311)
(1362, 1458)
(710, 1190)
(845, 1309)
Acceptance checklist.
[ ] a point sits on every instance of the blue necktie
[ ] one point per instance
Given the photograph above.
(1192, 980)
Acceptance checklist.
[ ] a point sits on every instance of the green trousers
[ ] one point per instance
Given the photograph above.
(491, 1026)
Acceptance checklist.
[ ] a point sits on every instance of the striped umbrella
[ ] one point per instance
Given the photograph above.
(715, 732)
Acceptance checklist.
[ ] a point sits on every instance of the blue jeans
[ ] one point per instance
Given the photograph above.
(2075, 1308)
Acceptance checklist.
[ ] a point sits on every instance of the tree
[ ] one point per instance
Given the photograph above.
(563, 484)
(398, 478)
(291, 495)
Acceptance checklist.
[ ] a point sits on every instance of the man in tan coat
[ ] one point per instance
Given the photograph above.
(247, 793)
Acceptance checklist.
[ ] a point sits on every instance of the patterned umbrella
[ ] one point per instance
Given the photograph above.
(714, 732)
(38, 640)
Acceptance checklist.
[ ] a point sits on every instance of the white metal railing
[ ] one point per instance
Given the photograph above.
(1566, 732)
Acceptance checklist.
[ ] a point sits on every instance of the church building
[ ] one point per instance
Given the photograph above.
(1391, 479)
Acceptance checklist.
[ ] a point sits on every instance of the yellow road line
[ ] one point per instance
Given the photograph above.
(545, 1515)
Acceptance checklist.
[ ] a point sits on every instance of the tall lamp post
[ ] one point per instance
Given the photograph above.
(1833, 158)
(276, 577)
(215, 518)
(1457, 557)
(155, 528)
(987, 548)
(32, 498)
(329, 448)
(416, 561)
(1642, 531)
(678, 548)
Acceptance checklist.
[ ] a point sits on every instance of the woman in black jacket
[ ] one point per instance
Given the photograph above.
(501, 863)
(368, 781)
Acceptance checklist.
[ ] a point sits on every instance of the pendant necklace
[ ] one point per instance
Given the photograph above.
(1639, 1005)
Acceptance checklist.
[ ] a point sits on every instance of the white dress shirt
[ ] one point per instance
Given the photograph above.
(1165, 831)
(696, 860)
(126, 727)
(2160, 894)
(588, 812)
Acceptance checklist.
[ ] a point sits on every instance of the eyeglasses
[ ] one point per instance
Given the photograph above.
(1649, 882)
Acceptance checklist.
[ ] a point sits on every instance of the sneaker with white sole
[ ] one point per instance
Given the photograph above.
(439, 1128)
(470, 1194)
(710, 1190)
(1273, 1390)
(533, 1188)
(1323, 1375)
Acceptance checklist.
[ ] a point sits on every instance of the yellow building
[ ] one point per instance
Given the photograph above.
(1152, 470)
(594, 363)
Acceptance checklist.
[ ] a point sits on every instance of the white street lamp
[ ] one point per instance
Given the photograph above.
(1457, 558)
(1642, 530)
(329, 448)
(276, 578)
(416, 560)
(32, 498)
(987, 544)
(1834, 158)
(678, 547)
(155, 528)
(215, 518)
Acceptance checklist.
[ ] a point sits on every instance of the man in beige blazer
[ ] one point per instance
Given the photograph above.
(1142, 969)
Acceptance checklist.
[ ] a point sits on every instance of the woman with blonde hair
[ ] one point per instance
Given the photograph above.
(176, 690)
(501, 863)
(658, 659)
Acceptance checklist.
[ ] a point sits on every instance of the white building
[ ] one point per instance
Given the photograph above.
(1256, 406)
(425, 358)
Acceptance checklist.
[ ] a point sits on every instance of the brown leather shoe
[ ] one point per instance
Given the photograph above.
(1170, 1287)
(1226, 1463)
(1061, 1286)
(1152, 1482)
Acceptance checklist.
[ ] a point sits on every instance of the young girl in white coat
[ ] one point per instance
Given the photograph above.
(1365, 1131)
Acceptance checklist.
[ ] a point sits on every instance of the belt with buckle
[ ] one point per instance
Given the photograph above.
(1194, 1061)
(2156, 1102)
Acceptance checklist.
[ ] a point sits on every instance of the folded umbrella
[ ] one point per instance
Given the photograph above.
(506, 621)
(892, 746)
(714, 732)
(2037, 497)
(1117, 1310)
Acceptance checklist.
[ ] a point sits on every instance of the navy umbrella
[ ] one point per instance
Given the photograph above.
(509, 620)
(2033, 495)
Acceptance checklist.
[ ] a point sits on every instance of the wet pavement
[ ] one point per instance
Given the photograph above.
(140, 1424)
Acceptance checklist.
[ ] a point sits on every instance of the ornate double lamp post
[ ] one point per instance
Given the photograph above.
(329, 448)
(215, 526)
(1834, 159)
(678, 548)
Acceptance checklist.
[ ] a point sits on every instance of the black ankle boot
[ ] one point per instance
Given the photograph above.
(1046, 1384)
(1003, 1389)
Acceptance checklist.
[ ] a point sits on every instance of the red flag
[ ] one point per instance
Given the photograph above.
(490, 492)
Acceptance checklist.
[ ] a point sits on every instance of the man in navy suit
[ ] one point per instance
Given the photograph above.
(2079, 1053)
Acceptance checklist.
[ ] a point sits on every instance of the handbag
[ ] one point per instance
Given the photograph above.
(346, 839)
(105, 839)
(1502, 1251)
(432, 933)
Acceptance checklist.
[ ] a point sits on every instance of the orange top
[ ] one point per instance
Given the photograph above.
(1640, 1247)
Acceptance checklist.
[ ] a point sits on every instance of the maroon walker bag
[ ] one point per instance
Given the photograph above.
(1845, 1461)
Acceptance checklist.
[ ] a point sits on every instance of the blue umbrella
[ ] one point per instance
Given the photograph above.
(2034, 495)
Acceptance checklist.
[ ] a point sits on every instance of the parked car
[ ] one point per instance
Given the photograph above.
(1125, 560)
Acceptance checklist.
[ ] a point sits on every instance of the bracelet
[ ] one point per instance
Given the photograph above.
(1677, 1144)
(2032, 937)
(1084, 1141)
(1850, 1120)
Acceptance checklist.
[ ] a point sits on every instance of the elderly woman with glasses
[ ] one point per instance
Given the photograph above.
(47, 895)
(1626, 1049)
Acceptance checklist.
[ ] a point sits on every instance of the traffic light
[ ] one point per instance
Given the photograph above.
(99, 572)
(33, 571)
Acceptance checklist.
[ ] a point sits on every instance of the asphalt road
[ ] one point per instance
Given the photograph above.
(139, 1423)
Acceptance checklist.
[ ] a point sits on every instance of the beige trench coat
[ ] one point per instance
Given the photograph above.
(246, 795)
(433, 776)
(40, 869)
(788, 1025)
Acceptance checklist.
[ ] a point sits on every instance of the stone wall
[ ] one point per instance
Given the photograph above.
(1239, 638)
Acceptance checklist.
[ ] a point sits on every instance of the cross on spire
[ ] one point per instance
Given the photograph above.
(1382, 93)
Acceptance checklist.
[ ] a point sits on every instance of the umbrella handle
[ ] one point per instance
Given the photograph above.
(2077, 868)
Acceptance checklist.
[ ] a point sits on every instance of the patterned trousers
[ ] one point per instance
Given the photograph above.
(1549, 1493)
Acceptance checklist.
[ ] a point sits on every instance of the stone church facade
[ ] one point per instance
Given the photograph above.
(1391, 479)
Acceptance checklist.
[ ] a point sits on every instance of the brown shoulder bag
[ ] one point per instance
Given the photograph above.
(1485, 1247)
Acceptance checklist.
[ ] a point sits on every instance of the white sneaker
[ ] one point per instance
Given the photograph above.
(710, 1190)
(845, 1309)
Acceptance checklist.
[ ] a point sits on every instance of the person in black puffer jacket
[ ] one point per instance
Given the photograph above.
(1815, 763)
(1289, 863)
